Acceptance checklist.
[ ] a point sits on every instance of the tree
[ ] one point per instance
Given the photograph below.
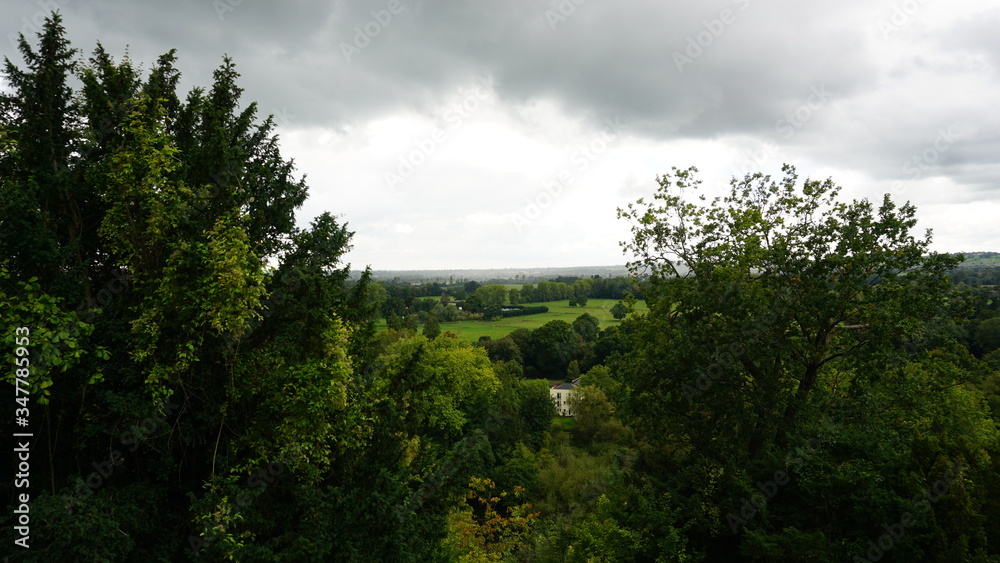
(522, 338)
(619, 311)
(629, 300)
(543, 292)
(573, 370)
(474, 304)
(992, 359)
(176, 287)
(496, 535)
(553, 345)
(587, 326)
(42, 198)
(515, 296)
(528, 293)
(552, 291)
(594, 416)
(771, 310)
(393, 306)
(449, 313)
(456, 382)
(579, 292)
(492, 312)
(772, 255)
(394, 322)
(503, 350)
(411, 321)
(988, 335)
(431, 328)
(492, 295)
(613, 344)
(445, 312)
(535, 408)
(601, 377)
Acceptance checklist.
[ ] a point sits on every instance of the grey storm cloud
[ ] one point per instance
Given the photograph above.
(601, 59)
(885, 88)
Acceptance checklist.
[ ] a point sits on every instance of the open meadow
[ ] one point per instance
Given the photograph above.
(558, 310)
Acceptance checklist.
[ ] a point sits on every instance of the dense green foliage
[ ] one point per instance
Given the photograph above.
(794, 354)
(213, 387)
(207, 381)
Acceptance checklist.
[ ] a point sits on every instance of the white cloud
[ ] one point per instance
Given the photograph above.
(477, 107)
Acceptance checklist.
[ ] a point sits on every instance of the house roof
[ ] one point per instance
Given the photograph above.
(564, 386)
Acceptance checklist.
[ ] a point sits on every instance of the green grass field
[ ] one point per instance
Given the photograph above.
(558, 310)
(564, 422)
(981, 261)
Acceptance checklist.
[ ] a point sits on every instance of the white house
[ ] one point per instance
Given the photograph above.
(560, 395)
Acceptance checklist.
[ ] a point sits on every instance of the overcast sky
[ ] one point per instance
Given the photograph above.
(474, 134)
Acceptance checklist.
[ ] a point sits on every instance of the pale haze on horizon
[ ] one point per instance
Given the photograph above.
(456, 135)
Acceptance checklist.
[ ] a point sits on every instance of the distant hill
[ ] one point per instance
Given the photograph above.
(980, 259)
(527, 275)
(534, 275)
